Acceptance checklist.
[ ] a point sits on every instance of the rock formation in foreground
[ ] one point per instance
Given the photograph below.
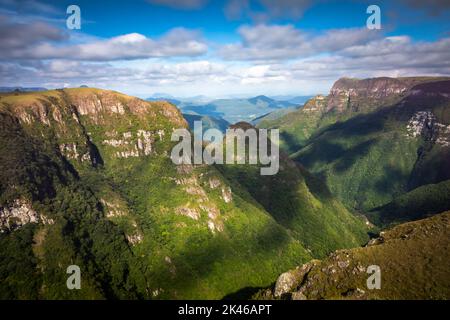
(414, 262)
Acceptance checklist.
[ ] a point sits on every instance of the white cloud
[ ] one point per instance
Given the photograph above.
(390, 56)
(39, 40)
(177, 42)
(279, 42)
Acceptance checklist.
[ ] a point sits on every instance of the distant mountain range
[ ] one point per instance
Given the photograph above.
(292, 99)
(198, 99)
(23, 89)
(231, 110)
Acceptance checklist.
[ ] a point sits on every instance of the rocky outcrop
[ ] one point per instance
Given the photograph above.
(144, 141)
(134, 239)
(318, 104)
(227, 196)
(92, 104)
(72, 152)
(289, 281)
(285, 283)
(201, 205)
(215, 222)
(133, 144)
(65, 116)
(424, 124)
(214, 183)
(113, 209)
(188, 212)
(443, 134)
(421, 124)
(409, 256)
(38, 111)
(17, 215)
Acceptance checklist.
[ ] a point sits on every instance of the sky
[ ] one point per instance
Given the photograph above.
(219, 48)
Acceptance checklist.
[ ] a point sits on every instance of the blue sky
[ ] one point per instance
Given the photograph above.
(219, 48)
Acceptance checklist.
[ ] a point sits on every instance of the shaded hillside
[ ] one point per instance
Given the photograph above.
(421, 202)
(301, 203)
(49, 219)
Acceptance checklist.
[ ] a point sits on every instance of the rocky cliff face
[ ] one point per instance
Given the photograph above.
(17, 215)
(424, 124)
(368, 94)
(68, 114)
(318, 104)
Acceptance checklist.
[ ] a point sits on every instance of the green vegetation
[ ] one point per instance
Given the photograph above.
(94, 167)
(295, 128)
(302, 204)
(33, 257)
(365, 160)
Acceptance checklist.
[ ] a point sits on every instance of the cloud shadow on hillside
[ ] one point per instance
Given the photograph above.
(196, 261)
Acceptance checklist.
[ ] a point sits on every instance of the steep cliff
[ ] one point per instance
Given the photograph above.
(363, 95)
(347, 98)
